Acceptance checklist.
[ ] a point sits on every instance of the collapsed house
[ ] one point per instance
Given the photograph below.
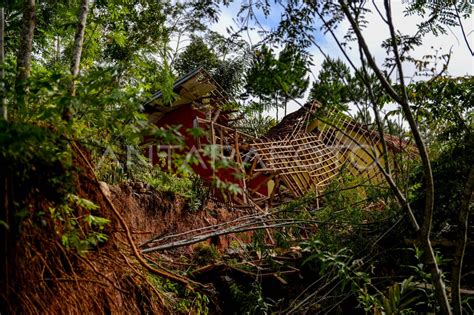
(303, 153)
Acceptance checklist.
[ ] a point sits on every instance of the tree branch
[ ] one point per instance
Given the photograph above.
(378, 121)
(403, 101)
(429, 189)
(398, 193)
(383, 80)
(156, 270)
(461, 244)
(231, 230)
(462, 29)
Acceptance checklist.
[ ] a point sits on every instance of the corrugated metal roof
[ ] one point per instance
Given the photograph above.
(216, 90)
(176, 85)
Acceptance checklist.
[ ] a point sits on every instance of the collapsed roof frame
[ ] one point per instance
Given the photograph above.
(302, 153)
(302, 160)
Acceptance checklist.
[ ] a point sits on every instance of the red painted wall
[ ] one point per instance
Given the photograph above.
(185, 116)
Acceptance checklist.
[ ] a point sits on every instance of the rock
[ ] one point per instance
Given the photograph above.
(115, 190)
(105, 189)
(127, 189)
(234, 252)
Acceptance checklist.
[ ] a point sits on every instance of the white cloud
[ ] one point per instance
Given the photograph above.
(228, 19)
(461, 63)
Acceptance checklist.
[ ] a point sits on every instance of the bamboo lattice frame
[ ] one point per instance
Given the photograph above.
(300, 160)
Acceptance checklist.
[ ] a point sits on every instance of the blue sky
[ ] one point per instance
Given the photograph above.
(462, 63)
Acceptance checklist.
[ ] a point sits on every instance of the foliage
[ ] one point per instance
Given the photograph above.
(196, 55)
(38, 159)
(205, 253)
(192, 188)
(81, 233)
(437, 16)
(198, 195)
(249, 299)
(41, 164)
(400, 298)
(276, 80)
(352, 207)
(332, 88)
(444, 109)
(292, 75)
(226, 72)
(450, 171)
(338, 88)
(167, 182)
(255, 125)
(410, 296)
(127, 55)
(179, 299)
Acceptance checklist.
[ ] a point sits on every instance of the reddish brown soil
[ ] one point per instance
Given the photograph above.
(49, 278)
(150, 213)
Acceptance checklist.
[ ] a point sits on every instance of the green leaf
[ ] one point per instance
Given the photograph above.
(3, 223)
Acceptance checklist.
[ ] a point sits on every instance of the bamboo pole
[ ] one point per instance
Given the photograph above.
(242, 168)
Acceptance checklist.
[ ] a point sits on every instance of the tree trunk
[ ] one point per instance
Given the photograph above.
(425, 230)
(4, 213)
(3, 103)
(78, 44)
(463, 226)
(3, 178)
(7, 237)
(24, 51)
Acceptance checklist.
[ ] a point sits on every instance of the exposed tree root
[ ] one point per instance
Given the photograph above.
(160, 272)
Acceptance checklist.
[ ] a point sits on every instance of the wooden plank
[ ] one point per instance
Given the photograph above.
(208, 121)
(264, 182)
(276, 188)
(221, 136)
(239, 161)
(296, 180)
(290, 186)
